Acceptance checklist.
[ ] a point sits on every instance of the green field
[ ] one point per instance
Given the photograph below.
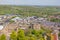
(29, 10)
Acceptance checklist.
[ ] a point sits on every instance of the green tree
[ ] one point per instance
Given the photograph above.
(2, 37)
(42, 38)
(13, 36)
(35, 32)
(32, 38)
(59, 34)
(21, 35)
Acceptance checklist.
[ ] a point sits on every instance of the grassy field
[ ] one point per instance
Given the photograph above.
(30, 10)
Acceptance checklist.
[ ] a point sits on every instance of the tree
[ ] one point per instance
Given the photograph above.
(32, 38)
(13, 36)
(35, 32)
(59, 34)
(2, 37)
(42, 38)
(21, 35)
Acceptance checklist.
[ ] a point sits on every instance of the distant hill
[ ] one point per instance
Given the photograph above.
(29, 10)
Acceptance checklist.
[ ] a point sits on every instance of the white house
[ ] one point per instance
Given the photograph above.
(17, 19)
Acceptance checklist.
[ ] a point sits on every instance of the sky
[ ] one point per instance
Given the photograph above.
(30, 2)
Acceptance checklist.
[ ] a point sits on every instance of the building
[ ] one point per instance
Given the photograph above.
(16, 19)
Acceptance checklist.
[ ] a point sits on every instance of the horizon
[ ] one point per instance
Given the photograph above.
(29, 5)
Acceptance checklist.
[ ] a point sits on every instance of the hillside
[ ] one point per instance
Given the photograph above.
(30, 10)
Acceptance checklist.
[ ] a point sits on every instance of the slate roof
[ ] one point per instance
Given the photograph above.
(47, 23)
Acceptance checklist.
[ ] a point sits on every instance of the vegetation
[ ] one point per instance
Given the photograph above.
(21, 35)
(55, 20)
(24, 11)
(2, 37)
(59, 34)
(13, 36)
(26, 35)
(30, 10)
(11, 21)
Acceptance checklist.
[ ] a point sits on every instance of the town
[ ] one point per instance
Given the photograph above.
(9, 22)
(29, 19)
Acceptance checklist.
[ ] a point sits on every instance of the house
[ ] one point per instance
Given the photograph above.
(55, 16)
(1, 27)
(51, 25)
(9, 28)
(36, 26)
(30, 19)
(16, 19)
(23, 26)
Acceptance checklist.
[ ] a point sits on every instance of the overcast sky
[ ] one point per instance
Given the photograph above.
(30, 2)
